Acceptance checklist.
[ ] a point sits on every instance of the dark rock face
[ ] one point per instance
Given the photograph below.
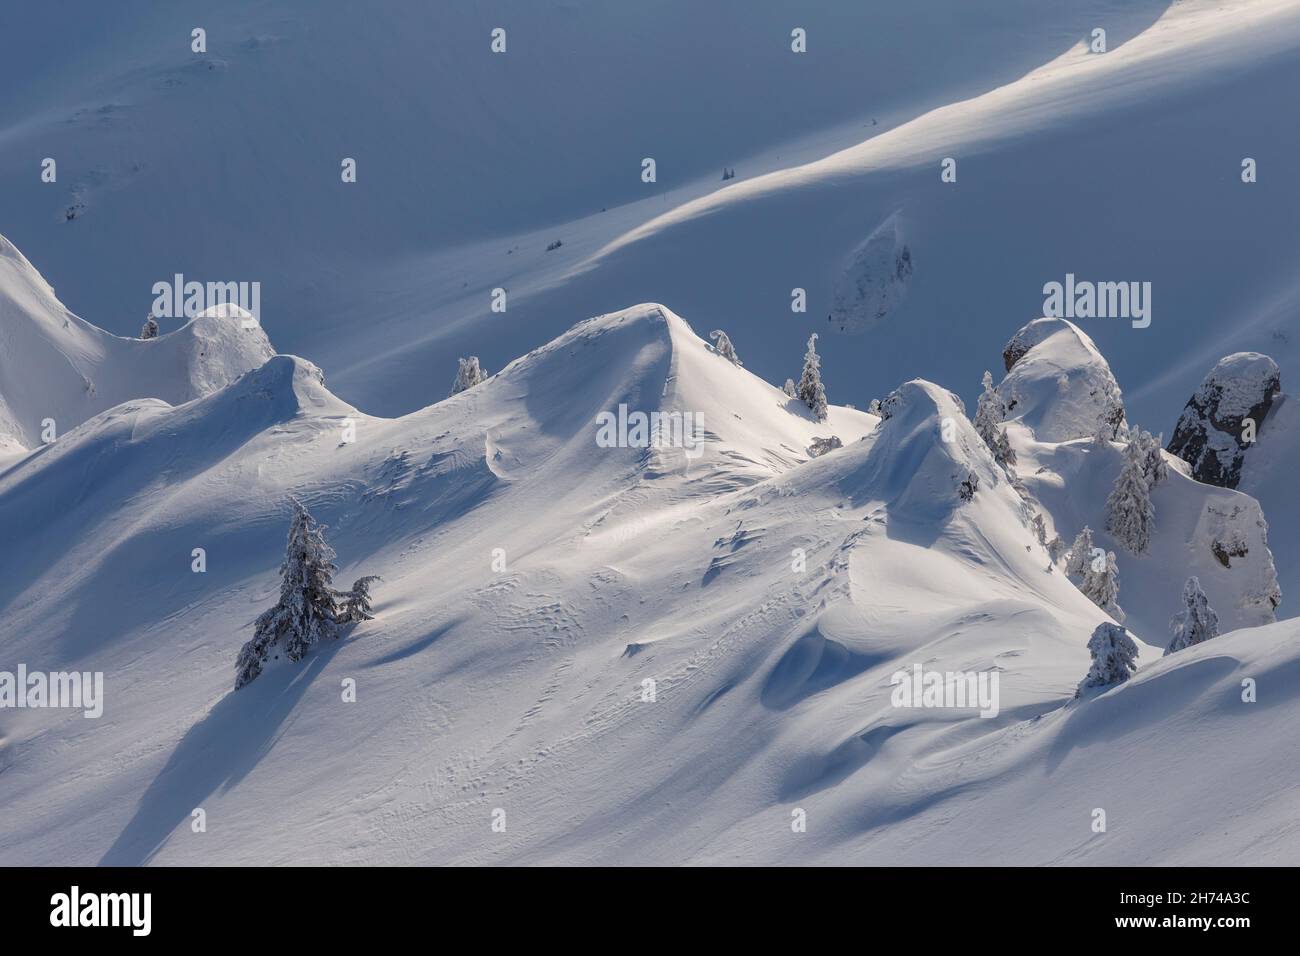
(1026, 339)
(1014, 351)
(1212, 434)
(896, 400)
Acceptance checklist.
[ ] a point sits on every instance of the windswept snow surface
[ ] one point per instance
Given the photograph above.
(650, 655)
(523, 689)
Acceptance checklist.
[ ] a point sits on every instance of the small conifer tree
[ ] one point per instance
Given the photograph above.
(1114, 657)
(811, 391)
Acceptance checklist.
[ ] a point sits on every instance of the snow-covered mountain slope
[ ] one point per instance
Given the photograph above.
(57, 370)
(534, 581)
(1268, 474)
(395, 276)
(1041, 193)
(630, 651)
(1059, 391)
(1215, 534)
(452, 140)
(1183, 727)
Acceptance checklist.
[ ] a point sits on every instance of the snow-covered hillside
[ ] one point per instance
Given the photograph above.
(57, 370)
(1061, 393)
(769, 597)
(470, 164)
(637, 603)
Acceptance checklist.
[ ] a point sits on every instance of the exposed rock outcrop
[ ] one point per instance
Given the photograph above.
(1223, 417)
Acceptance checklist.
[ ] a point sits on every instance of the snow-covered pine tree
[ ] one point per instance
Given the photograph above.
(1101, 587)
(1196, 622)
(150, 328)
(1154, 467)
(1114, 657)
(989, 415)
(1003, 453)
(468, 374)
(722, 345)
(1055, 548)
(811, 391)
(1130, 516)
(1080, 554)
(1104, 432)
(306, 611)
(356, 602)
(789, 389)
(988, 412)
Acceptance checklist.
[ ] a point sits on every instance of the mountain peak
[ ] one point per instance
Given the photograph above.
(1058, 384)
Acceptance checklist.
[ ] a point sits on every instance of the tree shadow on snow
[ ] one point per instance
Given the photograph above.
(413, 647)
(216, 753)
(1117, 712)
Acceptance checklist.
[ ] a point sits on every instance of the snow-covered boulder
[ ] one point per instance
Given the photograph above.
(1216, 428)
(1058, 384)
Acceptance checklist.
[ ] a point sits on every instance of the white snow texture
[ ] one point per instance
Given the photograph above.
(626, 589)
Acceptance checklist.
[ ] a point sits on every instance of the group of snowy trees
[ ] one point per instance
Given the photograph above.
(1114, 652)
(1096, 573)
(1130, 518)
(309, 609)
(810, 389)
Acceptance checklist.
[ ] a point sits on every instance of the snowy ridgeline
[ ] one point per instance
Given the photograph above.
(57, 370)
(569, 617)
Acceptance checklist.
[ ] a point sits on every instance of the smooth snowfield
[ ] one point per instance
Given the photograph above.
(522, 689)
